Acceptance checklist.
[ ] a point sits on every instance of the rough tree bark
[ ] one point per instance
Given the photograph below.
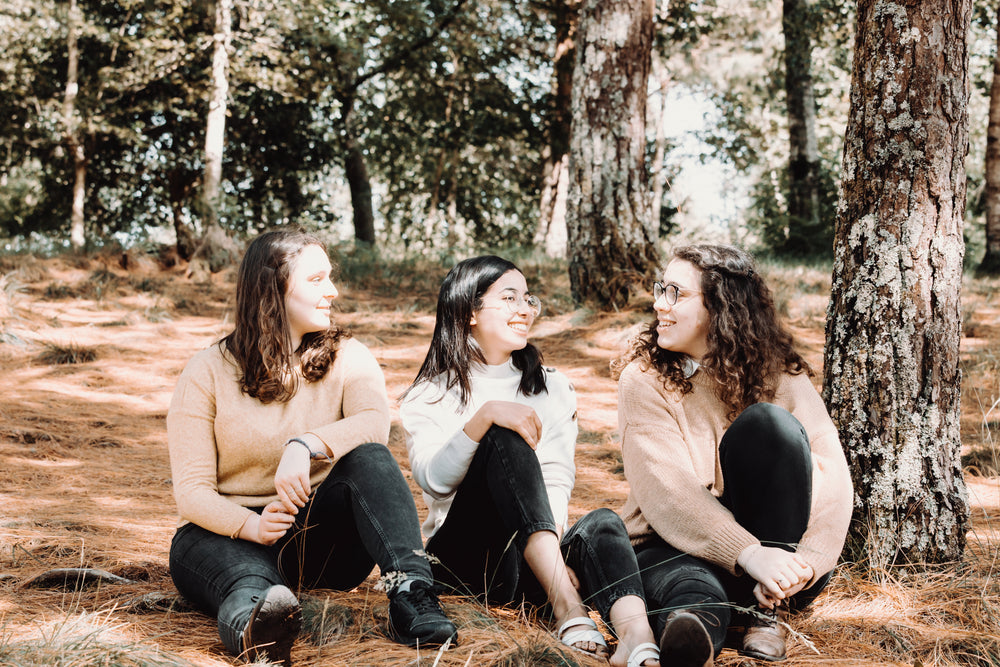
(892, 380)
(608, 206)
(551, 232)
(803, 159)
(72, 130)
(991, 259)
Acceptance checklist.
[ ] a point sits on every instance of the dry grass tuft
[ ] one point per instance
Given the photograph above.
(83, 639)
(60, 354)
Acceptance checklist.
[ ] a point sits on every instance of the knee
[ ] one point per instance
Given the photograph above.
(769, 426)
(602, 523)
(502, 438)
(367, 455)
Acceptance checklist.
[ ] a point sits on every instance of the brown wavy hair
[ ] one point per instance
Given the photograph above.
(260, 343)
(748, 346)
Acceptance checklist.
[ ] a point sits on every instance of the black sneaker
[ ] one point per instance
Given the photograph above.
(273, 626)
(415, 617)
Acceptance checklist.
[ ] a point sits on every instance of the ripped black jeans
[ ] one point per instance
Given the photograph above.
(501, 502)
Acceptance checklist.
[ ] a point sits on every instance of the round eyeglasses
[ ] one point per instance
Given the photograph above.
(670, 292)
(512, 304)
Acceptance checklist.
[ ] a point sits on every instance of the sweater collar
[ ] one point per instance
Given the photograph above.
(504, 370)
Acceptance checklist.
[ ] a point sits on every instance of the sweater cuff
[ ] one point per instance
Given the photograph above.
(728, 545)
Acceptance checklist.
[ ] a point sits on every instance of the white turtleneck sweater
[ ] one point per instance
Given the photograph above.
(440, 451)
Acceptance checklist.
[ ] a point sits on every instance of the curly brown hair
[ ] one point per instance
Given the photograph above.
(260, 343)
(748, 346)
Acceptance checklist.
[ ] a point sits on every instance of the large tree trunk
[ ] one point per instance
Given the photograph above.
(991, 260)
(551, 232)
(72, 131)
(803, 162)
(608, 209)
(892, 380)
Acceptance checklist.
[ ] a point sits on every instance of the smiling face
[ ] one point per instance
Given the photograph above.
(309, 294)
(497, 329)
(683, 327)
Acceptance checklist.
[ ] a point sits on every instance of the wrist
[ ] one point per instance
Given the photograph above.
(313, 454)
(747, 555)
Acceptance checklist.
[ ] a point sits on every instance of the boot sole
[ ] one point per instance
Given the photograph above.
(273, 627)
(685, 642)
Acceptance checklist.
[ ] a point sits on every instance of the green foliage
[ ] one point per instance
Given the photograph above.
(778, 232)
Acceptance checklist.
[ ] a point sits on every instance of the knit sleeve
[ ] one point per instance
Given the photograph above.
(832, 489)
(439, 450)
(365, 406)
(193, 453)
(664, 486)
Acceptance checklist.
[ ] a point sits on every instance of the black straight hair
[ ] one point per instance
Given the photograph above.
(453, 349)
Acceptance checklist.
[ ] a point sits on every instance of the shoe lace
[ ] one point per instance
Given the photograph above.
(423, 600)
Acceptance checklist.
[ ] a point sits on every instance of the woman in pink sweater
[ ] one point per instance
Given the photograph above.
(280, 474)
(740, 495)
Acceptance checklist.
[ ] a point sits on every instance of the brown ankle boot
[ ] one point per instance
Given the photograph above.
(685, 641)
(766, 634)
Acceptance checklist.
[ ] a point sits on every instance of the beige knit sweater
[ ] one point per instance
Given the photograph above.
(225, 445)
(670, 447)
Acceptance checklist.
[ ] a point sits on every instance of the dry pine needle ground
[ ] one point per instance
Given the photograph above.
(89, 355)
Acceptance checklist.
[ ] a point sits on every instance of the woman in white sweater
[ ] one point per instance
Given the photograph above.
(491, 435)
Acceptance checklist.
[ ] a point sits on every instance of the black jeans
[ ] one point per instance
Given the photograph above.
(498, 505)
(767, 477)
(361, 515)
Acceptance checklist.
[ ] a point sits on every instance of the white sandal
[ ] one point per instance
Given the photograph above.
(592, 634)
(642, 653)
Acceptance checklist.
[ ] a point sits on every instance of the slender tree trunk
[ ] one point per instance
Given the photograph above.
(73, 131)
(215, 249)
(991, 260)
(892, 380)
(215, 130)
(803, 162)
(356, 172)
(551, 232)
(608, 209)
(656, 172)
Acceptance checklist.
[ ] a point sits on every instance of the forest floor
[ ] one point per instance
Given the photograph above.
(90, 352)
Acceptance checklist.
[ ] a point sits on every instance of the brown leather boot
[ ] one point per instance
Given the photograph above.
(766, 634)
(685, 641)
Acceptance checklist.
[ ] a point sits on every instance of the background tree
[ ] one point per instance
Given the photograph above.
(803, 155)
(608, 208)
(893, 324)
(991, 258)
(551, 232)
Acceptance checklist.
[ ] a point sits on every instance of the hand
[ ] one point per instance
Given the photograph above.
(779, 573)
(291, 480)
(518, 418)
(274, 523)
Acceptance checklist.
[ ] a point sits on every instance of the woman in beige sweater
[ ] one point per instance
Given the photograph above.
(280, 471)
(740, 495)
